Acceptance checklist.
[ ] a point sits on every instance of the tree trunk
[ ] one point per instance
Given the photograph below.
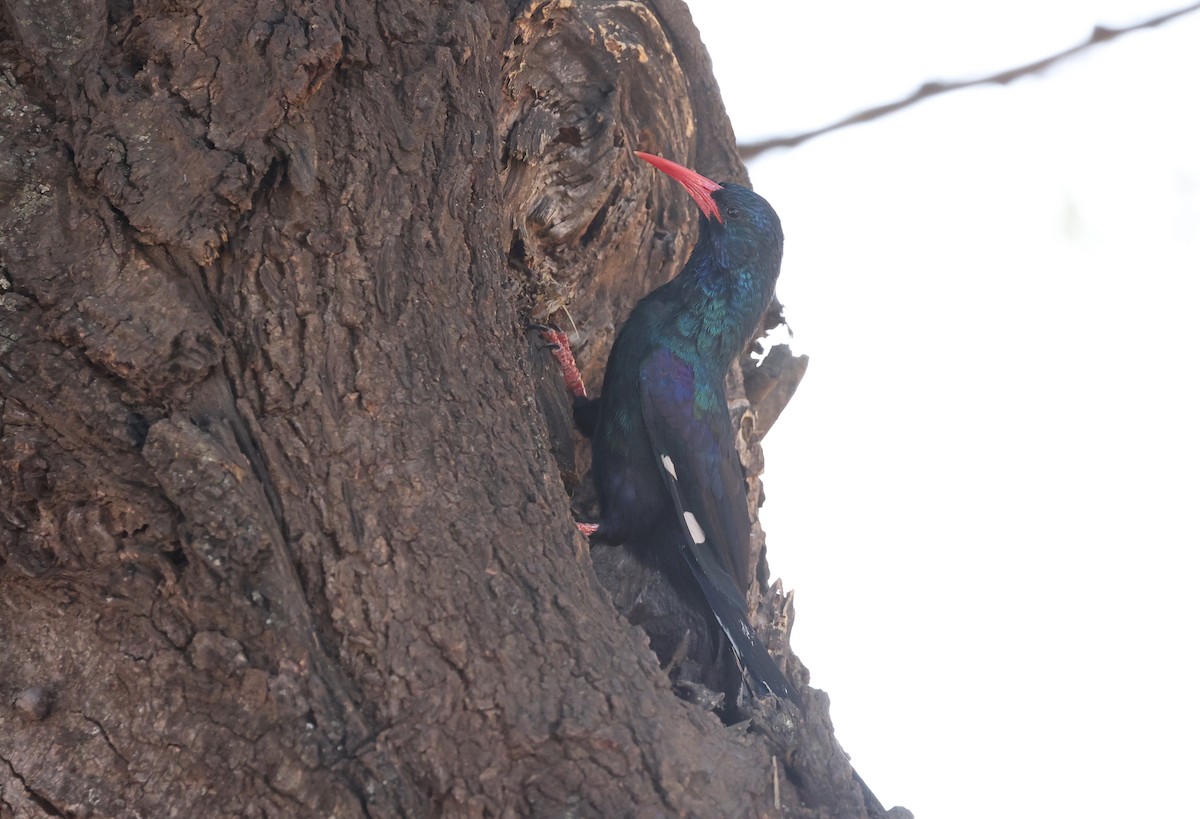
(283, 531)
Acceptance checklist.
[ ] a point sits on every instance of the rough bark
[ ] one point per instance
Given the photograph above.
(282, 529)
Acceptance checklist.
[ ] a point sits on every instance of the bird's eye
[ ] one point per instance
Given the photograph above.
(733, 212)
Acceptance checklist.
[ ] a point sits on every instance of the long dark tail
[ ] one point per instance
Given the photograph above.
(756, 661)
(759, 665)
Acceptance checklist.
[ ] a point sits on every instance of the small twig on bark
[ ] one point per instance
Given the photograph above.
(1100, 34)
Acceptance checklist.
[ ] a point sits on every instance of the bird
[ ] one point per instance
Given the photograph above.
(667, 475)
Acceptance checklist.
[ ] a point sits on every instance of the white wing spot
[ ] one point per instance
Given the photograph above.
(693, 526)
(670, 465)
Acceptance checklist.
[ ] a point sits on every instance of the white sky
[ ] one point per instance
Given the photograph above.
(985, 492)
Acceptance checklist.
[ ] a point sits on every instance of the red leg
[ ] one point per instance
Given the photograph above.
(562, 351)
(561, 348)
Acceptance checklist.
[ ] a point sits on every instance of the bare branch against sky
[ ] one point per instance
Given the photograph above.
(1100, 34)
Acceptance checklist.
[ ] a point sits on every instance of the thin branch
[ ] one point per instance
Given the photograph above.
(1100, 34)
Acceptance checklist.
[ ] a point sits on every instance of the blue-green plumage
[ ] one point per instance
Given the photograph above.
(678, 343)
(664, 463)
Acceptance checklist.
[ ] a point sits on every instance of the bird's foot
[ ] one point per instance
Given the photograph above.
(588, 529)
(558, 344)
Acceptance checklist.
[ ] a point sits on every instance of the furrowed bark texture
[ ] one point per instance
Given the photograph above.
(282, 530)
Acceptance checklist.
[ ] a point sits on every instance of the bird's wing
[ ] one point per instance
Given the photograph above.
(693, 444)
